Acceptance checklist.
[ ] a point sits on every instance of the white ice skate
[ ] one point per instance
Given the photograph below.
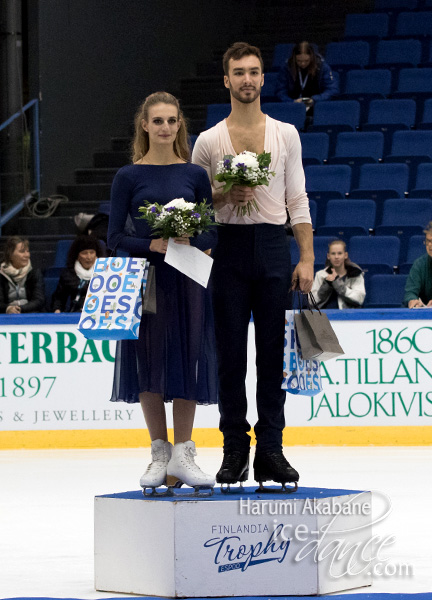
(182, 466)
(156, 472)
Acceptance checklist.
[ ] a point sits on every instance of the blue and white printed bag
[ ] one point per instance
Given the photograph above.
(301, 376)
(113, 306)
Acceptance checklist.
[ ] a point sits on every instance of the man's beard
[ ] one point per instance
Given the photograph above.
(247, 99)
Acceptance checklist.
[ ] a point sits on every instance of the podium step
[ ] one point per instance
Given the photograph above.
(233, 544)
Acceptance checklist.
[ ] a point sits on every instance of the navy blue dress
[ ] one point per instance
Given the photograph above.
(175, 354)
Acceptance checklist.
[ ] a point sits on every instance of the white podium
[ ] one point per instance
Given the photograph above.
(315, 541)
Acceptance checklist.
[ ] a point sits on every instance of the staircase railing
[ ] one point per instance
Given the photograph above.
(32, 106)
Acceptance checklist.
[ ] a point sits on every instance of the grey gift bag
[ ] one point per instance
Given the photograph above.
(316, 336)
(149, 299)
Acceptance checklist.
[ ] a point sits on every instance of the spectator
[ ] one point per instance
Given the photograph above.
(21, 286)
(306, 77)
(74, 280)
(341, 283)
(418, 288)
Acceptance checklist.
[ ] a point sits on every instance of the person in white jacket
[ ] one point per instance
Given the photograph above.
(341, 283)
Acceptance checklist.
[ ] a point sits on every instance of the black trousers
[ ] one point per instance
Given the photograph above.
(251, 273)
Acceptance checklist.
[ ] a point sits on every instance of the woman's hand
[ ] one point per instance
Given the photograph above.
(12, 309)
(332, 276)
(159, 245)
(184, 239)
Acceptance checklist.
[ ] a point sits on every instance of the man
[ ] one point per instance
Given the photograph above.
(418, 288)
(251, 270)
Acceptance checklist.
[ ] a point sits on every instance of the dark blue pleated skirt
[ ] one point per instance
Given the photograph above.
(175, 354)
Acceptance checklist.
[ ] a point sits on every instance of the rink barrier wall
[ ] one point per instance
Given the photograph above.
(314, 421)
(212, 438)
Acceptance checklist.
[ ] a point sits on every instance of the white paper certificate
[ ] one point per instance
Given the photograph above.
(190, 261)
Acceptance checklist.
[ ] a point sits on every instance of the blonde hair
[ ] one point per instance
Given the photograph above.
(141, 144)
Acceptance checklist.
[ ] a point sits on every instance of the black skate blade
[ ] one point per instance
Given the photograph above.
(232, 490)
(283, 490)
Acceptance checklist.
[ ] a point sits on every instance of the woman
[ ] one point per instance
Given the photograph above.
(74, 280)
(21, 286)
(306, 77)
(341, 283)
(174, 357)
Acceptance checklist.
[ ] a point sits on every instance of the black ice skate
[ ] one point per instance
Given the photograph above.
(273, 466)
(234, 468)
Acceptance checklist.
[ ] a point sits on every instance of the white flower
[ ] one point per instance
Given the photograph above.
(180, 203)
(249, 159)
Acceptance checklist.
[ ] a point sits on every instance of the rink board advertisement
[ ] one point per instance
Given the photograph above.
(53, 379)
(316, 543)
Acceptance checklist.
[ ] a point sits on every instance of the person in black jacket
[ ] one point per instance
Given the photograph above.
(74, 280)
(306, 77)
(21, 286)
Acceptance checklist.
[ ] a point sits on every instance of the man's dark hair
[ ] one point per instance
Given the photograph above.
(238, 51)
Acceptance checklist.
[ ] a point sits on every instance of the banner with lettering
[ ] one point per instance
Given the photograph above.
(51, 377)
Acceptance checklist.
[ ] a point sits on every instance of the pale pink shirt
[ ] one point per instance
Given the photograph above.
(286, 188)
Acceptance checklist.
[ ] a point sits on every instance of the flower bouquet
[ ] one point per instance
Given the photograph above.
(248, 169)
(178, 218)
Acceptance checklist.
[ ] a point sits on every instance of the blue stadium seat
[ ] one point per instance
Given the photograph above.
(105, 207)
(360, 144)
(315, 148)
(426, 122)
(376, 254)
(382, 181)
(320, 244)
(423, 182)
(50, 272)
(385, 291)
(403, 53)
(359, 82)
(217, 112)
(281, 53)
(414, 24)
(192, 139)
(416, 248)
(268, 89)
(313, 212)
(415, 84)
(50, 284)
(343, 56)
(388, 116)
(62, 249)
(331, 117)
(411, 148)
(365, 86)
(363, 26)
(405, 218)
(391, 5)
(345, 218)
(340, 113)
(347, 54)
(356, 149)
(287, 112)
(333, 181)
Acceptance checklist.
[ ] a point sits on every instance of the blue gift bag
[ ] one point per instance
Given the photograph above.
(300, 376)
(113, 306)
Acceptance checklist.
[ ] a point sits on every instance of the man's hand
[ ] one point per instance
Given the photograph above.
(416, 304)
(159, 245)
(302, 277)
(240, 195)
(429, 304)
